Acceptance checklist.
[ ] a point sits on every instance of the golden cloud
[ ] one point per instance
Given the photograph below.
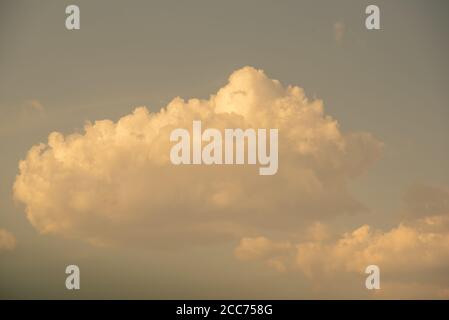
(411, 255)
(114, 183)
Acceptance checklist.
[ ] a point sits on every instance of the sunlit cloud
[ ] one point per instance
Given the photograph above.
(414, 252)
(114, 182)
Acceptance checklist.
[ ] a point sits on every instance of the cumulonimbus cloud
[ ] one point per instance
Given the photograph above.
(114, 182)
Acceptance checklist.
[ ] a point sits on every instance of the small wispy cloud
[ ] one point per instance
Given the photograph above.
(339, 31)
(7, 240)
(34, 104)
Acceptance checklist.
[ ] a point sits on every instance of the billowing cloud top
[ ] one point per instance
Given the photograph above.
(114, 182)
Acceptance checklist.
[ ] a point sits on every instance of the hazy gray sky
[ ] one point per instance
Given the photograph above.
(392, 83)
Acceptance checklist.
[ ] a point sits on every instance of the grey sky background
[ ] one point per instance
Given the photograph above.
(393, 83)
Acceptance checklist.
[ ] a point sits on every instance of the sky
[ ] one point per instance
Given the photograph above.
(363, 176)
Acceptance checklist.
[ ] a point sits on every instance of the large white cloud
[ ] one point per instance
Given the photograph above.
(114, 182)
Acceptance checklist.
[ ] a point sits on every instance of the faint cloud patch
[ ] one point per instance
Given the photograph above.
(339, 31)
(22, 115)
(7, 241)
(32, 109)
(34, 105)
